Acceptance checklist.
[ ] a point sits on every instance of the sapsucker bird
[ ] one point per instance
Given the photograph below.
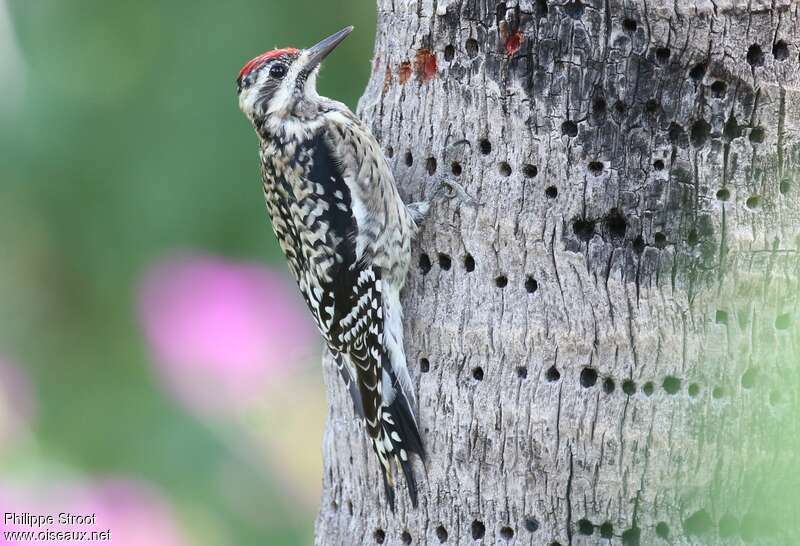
(346, 234)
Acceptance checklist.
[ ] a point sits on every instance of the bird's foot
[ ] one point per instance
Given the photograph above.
(447, 188)
(451, 189)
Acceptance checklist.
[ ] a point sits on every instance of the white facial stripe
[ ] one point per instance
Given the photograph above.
(282, 100)
(249, 97)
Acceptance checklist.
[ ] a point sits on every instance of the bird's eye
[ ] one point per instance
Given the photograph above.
(277, 71)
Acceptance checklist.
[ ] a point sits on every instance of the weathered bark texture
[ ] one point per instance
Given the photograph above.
(601, 348)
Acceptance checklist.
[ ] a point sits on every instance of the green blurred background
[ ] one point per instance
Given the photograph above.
(121, 144)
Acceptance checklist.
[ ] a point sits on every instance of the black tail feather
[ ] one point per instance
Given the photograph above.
(399, 429)
(407, 425)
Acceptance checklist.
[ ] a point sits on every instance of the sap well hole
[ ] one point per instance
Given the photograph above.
(599, 107)
(757, 135)
(671, 384)
(469, 263)
(424, 365)
(783, 321)
(569, 128)
(753, 202)
(471, 46)
(631, 537)
(755, 56)
(662, 55)
(552, 374)
(583, 229)
(780, 51)
(698, 71)
(698, 523)
(718, 88)
(530, 171)
(588, 377)
(749, 378)
(629, 387)
(424, 263)
(699, 132)
(478, 529)
(430, 166)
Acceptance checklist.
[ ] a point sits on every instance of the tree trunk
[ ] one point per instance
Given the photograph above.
(605, 350)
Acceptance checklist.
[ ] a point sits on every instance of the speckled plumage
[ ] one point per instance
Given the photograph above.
(346, 235)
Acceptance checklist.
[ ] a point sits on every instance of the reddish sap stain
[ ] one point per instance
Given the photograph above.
(387, 79)
(425, 64)
(404, 72)
(513, 43)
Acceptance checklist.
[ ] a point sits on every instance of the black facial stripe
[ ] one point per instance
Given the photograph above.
(300, 82)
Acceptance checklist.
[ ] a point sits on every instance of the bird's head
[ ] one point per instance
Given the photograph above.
(283, 82)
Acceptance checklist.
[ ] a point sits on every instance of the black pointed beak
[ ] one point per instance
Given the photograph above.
(322, 49)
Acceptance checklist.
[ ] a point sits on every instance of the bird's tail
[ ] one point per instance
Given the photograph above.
(399, 438)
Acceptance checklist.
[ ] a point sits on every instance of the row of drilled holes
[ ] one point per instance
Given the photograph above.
(445, 263)
(696, 524)
(478, 531)
(584, 228)
(698, 132)
(588, 378)
(755, 55)
(617, 227)
(782, 321)
(485, 146)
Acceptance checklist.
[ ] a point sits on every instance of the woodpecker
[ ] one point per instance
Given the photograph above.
(346, 235)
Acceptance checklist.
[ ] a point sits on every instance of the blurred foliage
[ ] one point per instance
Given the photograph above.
(127, 144)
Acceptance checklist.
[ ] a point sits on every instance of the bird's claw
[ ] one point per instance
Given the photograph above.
(456, 190)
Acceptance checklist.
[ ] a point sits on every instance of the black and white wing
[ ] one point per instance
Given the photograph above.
(348, 307)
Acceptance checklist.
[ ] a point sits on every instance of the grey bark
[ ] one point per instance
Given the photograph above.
(605, 351)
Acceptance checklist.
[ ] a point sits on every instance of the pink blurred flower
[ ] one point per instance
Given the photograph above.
(16, 403)
(133, 514)
(220, 331)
